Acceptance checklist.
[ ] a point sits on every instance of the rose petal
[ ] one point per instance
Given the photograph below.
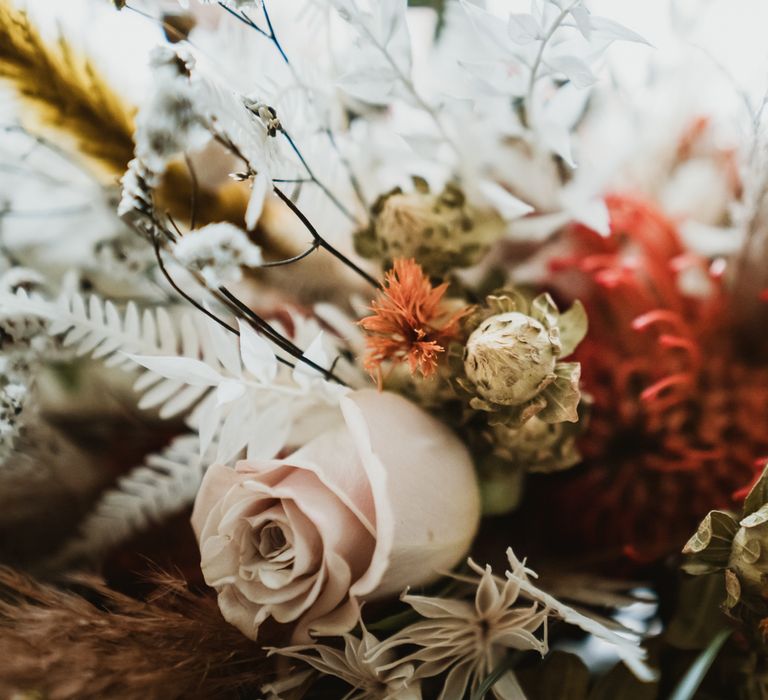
(218, 479)
(417, 536)
(334, 459)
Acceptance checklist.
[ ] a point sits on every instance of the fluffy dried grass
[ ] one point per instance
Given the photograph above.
(93, 642)
(64, 93)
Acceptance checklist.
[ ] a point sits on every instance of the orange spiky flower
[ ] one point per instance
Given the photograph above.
(410, 321)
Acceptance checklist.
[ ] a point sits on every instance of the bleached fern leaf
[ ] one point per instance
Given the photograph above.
(250, 402)
(96, 327)
(162, 486)
(235, 385)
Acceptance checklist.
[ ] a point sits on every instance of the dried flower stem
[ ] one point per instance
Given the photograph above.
(528, 110)
(225, 141)
(411, 88)
(332, 197)
(354, 182)
(154, 229)
(182, 293)
(278, 339)
(322, 243)
(287, 261)
(232, 302)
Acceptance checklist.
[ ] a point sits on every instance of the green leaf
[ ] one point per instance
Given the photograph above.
(573, 326)
(563, 394)
(710, 547)
(698, 617)
(756, 518)
(690, 683)
(732, 589)
(544, 309)
(758, 495)
(620, 684)
(507, 664)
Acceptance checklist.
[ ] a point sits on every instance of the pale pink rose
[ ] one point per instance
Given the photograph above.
(389, 500)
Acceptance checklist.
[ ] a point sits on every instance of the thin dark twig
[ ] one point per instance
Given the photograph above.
(225, 141)
(242, 17)
(179, 290)
(193, 193)
(199, 306)
(272, 34)
(277, 263)
(260, 323)
(352, 178)
(280, 340)
(176, 228)
(231, 146)
(322, 242)
(339, 205)
(226, 301)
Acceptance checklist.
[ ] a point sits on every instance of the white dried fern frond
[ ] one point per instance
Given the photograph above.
(249, 401)
(96, 327)
(162, 486)
(236, 385)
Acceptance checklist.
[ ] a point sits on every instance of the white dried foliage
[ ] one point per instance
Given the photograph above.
(170, 120)
(252, 403)
(218, 251)
(556, 41)
(236, 385)
(162, 486)
(92, 326)
(626, 645)
(381, 61)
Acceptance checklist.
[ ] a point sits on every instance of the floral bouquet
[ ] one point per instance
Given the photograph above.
(325, 324)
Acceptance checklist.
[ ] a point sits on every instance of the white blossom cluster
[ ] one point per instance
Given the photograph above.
(170, 120)
(12, 399)
(218, 251)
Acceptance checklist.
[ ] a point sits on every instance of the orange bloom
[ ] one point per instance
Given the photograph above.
(409, 322)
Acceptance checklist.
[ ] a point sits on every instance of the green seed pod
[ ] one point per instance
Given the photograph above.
(511, 357)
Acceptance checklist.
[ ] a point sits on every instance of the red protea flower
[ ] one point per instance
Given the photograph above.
(680, 412)
(410, 321)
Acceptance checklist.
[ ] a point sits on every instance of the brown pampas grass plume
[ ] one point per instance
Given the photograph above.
(90, 642)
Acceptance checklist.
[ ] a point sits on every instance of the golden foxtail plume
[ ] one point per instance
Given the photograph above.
(62, 91)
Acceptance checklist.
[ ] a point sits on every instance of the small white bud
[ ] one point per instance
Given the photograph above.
(510, 357)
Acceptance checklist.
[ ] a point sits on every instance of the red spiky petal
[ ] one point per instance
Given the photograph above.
(680, 412)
